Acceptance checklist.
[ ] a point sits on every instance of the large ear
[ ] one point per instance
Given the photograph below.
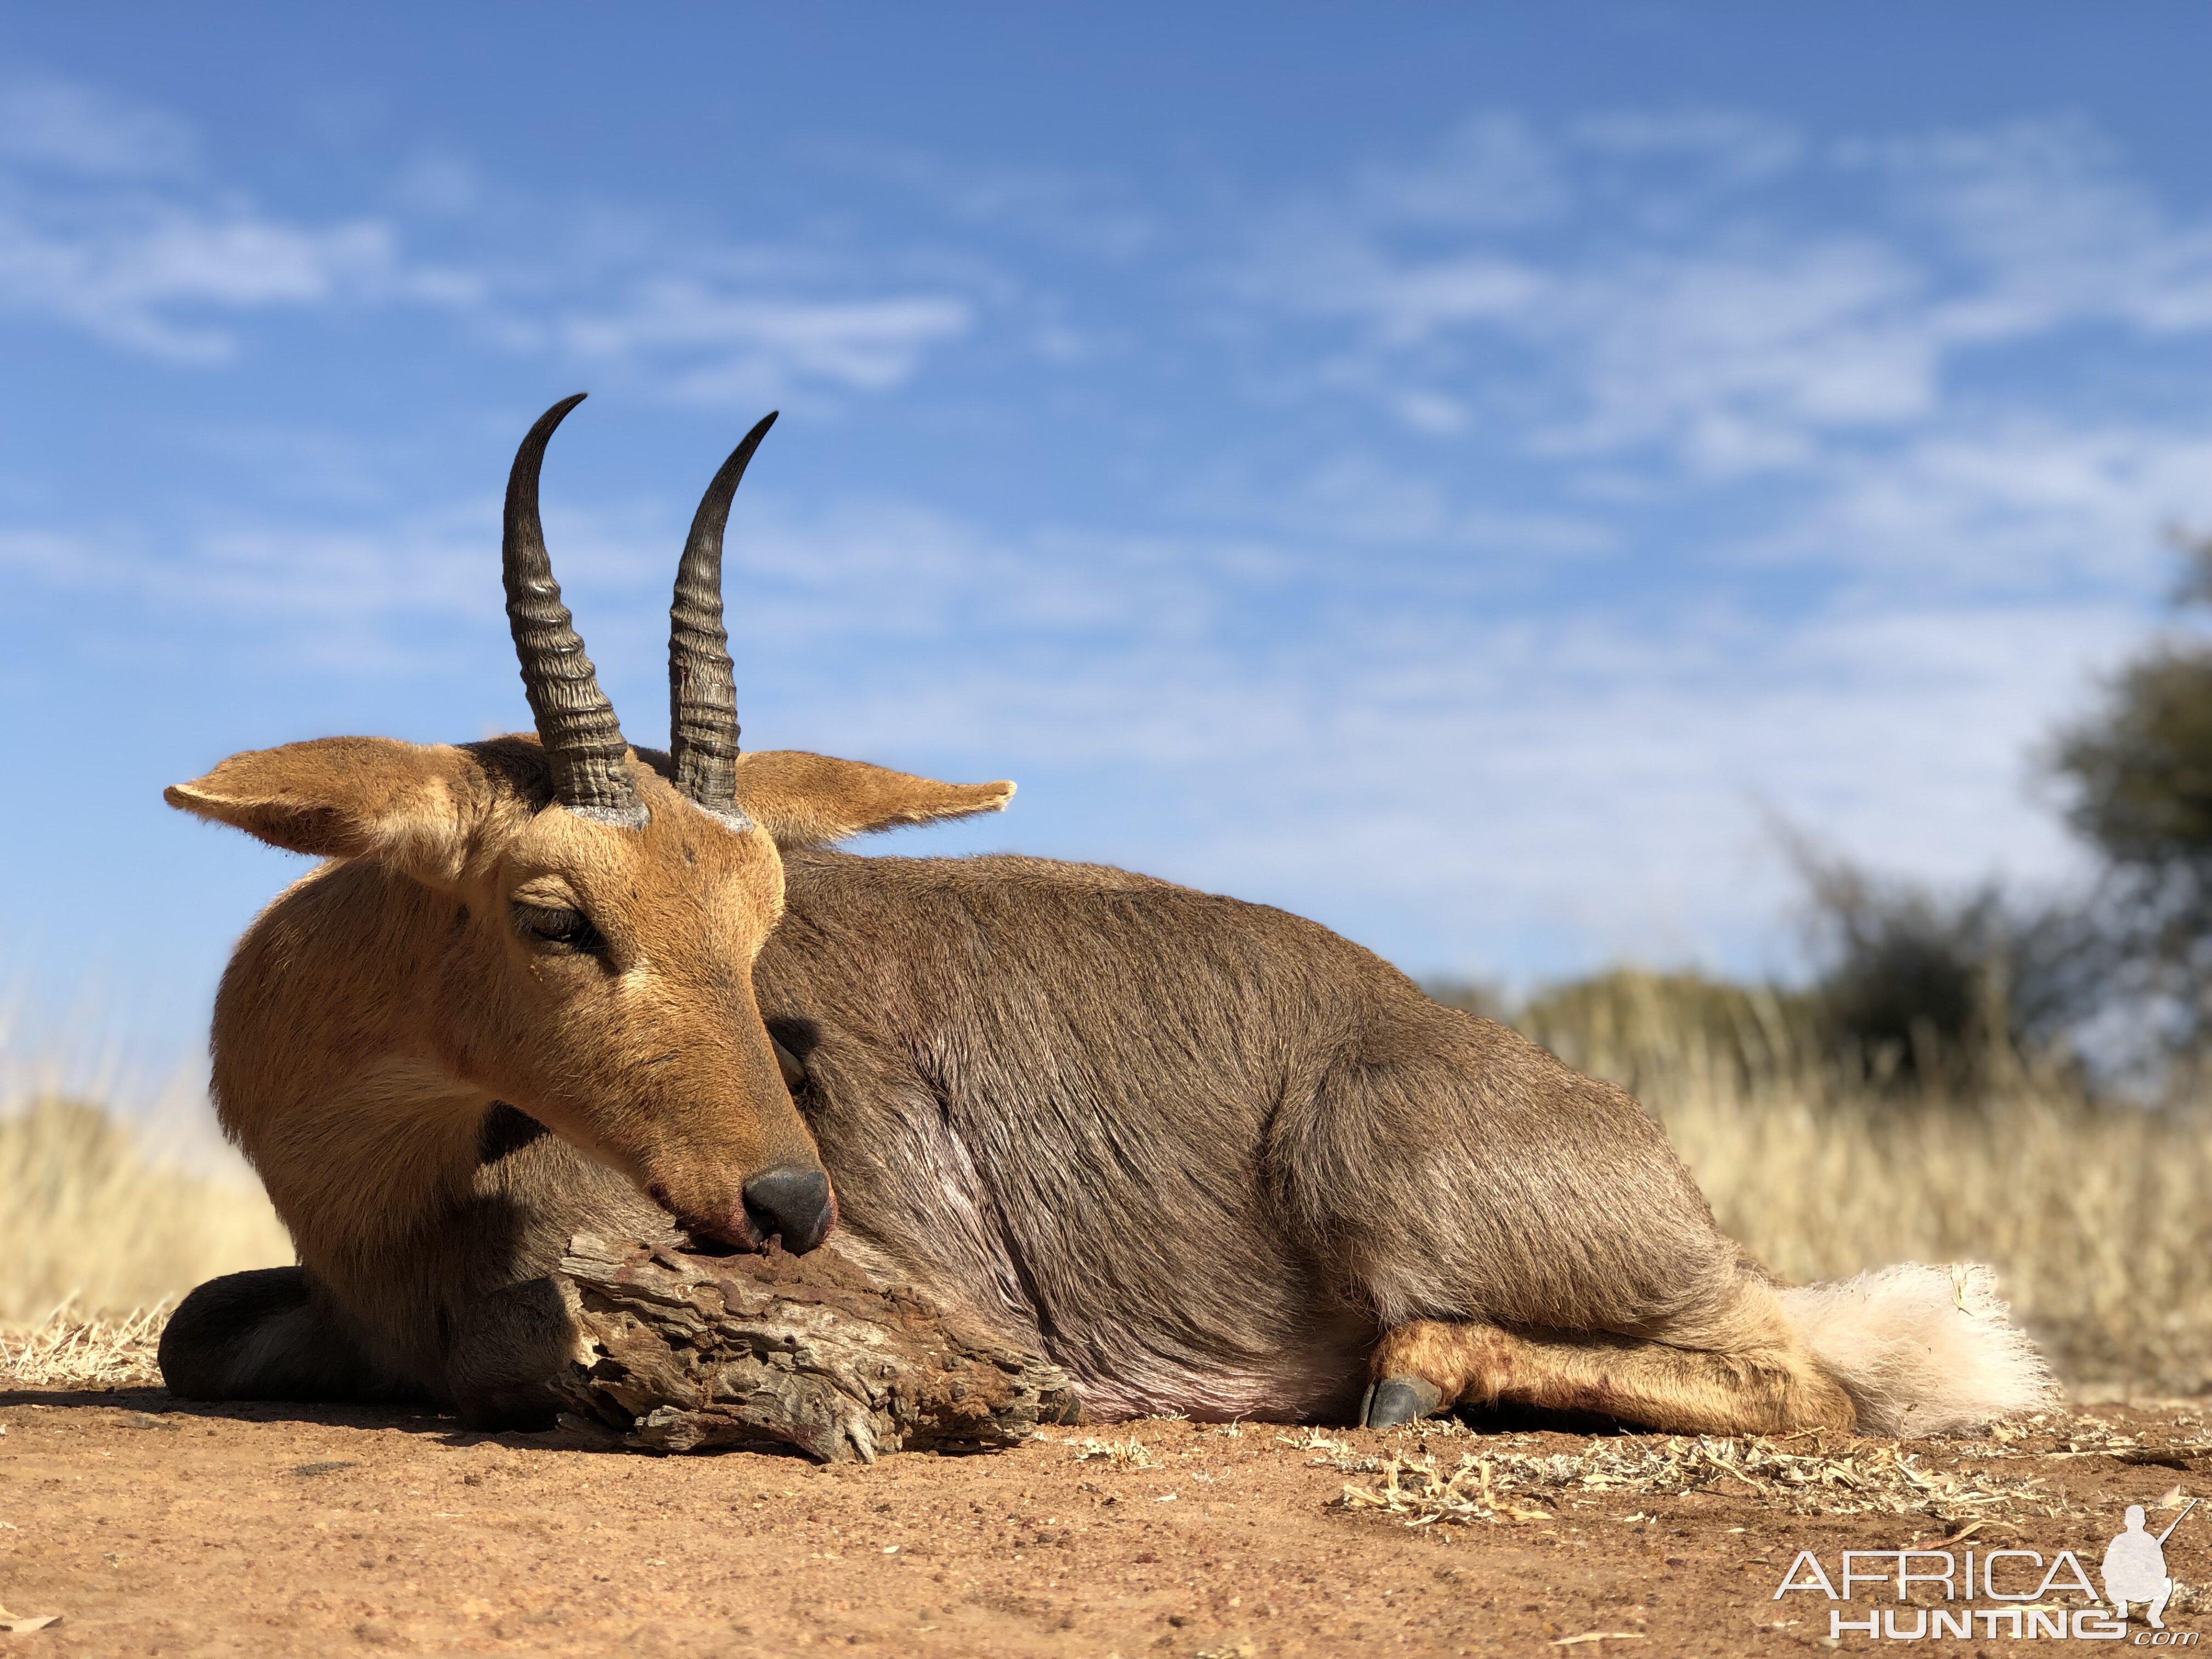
(407, 805)
(812, 800)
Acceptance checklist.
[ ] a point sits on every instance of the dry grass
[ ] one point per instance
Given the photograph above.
(99, 1212)
(2092, 1213)
(73, 1350)
(2093, 1217)
(106, 1220)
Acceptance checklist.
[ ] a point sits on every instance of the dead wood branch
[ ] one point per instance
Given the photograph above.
(683, 1353)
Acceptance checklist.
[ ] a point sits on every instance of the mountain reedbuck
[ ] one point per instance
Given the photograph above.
(1206, 1156)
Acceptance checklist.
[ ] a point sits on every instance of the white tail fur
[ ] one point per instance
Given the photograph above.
(1923, 1350)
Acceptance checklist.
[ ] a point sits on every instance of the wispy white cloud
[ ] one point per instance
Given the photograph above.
(106, 223)
(148, 274)
(1674, 299)
(1088, 215)
(1492, 172)
(111, 222)
(2003, 507)
(1361, 497)
(715, 345)
(2052, 227)
(269, 573)
(1741, 358)
(64, 124)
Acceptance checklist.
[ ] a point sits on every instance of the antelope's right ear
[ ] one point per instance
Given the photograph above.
(813, 801)
(404, 803)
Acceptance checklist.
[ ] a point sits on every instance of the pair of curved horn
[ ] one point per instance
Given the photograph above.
(576, 721)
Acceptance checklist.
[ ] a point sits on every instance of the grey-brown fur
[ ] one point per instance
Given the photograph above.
(1200, 1151)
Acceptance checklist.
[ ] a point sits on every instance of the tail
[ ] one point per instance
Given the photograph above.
(1923, 1350)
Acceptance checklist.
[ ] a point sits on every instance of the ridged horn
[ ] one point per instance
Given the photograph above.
(703, 694)
(575, 722)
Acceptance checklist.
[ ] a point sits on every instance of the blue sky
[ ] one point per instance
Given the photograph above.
(1457, 472)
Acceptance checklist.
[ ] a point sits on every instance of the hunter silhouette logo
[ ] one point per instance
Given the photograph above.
(2017, 1588)
(2135, 1567)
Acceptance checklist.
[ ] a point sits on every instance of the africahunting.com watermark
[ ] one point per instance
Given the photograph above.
(2019, 1583)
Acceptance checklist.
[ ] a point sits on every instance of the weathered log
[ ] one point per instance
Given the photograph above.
(685, 1353)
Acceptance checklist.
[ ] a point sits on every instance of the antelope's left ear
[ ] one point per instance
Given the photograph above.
(812, 800)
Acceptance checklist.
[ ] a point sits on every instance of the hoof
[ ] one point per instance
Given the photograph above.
(1398, 1400)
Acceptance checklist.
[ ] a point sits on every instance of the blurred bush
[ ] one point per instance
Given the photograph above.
(1945, 995)
(2136, 771)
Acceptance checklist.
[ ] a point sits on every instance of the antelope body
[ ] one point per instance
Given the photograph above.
(1206, 1156)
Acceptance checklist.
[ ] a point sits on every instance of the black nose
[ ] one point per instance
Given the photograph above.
(792, 1201)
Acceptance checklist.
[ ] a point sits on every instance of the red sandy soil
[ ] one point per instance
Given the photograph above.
(155, 1526)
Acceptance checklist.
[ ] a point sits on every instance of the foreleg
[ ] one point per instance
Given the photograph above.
(270, 1334)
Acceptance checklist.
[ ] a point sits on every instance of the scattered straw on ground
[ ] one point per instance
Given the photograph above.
(74, 1350)
(1863, 1478)
(1122, 1454)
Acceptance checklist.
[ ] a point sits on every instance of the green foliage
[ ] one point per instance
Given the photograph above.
(2137, 771)
(2139, 768)
(1922, 990)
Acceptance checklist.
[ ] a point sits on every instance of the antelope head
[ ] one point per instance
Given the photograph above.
(598, 916)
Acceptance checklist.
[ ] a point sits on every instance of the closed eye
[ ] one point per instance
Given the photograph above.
(556, 928)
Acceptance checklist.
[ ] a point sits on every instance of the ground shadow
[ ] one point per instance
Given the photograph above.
(1504, 1418)
(414, 1418)
(171, 1410)
(156, 1408)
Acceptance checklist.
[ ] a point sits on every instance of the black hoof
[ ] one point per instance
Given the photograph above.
(1398, 1400)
